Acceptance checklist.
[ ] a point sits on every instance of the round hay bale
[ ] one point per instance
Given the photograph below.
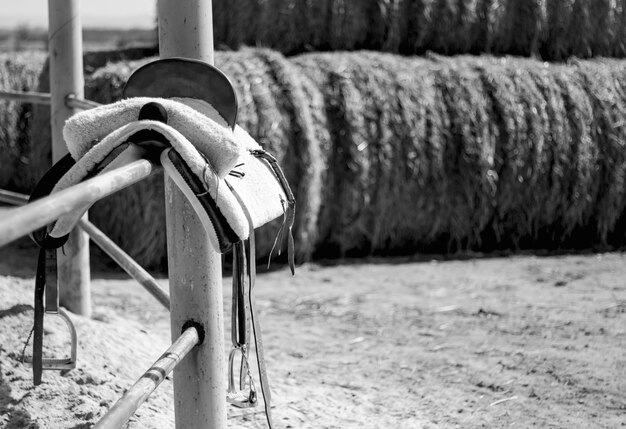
(605, 86)
(551, 133)
(579, 167)
(515, 152)
(341, 175)
(470, 156)
(390, 147)
(553, 29)
(18, 72)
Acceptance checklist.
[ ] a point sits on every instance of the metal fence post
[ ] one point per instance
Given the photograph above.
(195, 275)
(66, 77)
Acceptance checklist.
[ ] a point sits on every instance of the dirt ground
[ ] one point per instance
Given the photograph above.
(519, 341)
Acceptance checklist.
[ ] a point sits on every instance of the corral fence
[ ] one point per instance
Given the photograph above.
(195, 301)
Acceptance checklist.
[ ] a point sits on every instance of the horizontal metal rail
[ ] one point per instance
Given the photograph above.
(122, 258)
(79, 103)
(13, 198)
(134, 397)
(17, 222)
(127, 263)
(45, 98)
(26, 97)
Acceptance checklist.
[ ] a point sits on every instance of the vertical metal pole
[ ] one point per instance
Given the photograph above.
(186, 29)
(195, 268)
(66, 77)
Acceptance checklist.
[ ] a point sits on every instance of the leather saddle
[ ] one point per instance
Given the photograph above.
(233, 188)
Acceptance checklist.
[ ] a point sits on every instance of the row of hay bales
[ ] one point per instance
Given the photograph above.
(391, 155)
(552, 29)
(18, 72)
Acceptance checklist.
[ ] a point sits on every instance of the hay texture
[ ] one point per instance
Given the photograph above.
(550, 29)
(18, 72)
(395, 155)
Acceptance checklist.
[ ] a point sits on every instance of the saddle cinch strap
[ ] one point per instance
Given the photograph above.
(232, 183)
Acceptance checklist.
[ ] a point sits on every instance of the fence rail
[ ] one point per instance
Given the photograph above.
(17, 222)
(127, 263)
(126, 406)
(44, 98)
(27, 97)
(122, 258)
(13, 198)
(80, 103)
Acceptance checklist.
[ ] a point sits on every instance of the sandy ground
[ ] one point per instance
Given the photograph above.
(519, 341)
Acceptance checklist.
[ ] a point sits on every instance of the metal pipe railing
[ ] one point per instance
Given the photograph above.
(122, 258)
(26, 97)
(134, 397)
(13, 198)
(80, 103)
(44, 98)
(17, 222)
(127, 263)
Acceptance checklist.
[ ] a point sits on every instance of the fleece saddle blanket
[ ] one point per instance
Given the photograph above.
(223, 171)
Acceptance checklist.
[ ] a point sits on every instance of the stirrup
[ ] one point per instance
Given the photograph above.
(238, 397)
(65, 363)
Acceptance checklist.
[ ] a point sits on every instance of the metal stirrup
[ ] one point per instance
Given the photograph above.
(46, 283)
(240, 336)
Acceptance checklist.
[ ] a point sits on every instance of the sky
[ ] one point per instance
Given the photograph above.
(94, 13)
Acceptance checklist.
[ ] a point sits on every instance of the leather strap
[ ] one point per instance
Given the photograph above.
(45, 280)
(256, 327)
(239, 334)
(46, 263)
(42, 189)
(290, 210)
(256, 324)
(40, 285)
(52, 283)
(240, 316)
